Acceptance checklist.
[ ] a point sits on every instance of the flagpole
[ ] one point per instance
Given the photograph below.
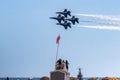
(57, 42)
(57, 52)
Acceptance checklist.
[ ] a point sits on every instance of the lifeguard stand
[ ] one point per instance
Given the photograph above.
(61, 71)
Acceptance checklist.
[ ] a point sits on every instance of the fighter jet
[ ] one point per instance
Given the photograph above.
(65, 13)
(59, 18)
(73, 20)
(65, 24)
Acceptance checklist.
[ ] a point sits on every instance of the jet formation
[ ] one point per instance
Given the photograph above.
(63, 19)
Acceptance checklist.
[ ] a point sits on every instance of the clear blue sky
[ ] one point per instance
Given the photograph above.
(27, 39)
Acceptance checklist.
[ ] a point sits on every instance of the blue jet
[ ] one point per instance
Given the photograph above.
(65, 24)
(65, 13)
(59, 18)
(73, 20)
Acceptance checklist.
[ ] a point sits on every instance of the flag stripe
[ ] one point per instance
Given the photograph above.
(58, 39)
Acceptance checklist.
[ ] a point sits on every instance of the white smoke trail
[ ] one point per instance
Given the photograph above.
(103, 23)
(105, 17)
(109, 23)
(101, 27)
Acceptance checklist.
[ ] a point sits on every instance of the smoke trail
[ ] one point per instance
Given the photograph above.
(105, 17)
(103, 23)
(101, 27)
(109, 23)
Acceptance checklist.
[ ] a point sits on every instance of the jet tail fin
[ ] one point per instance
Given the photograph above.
(77, 20)
(65, 27)
(69, 24)
(69, 13)
(63, 18)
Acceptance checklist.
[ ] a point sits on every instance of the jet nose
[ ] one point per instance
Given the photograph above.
(57, 23)
(51, 17)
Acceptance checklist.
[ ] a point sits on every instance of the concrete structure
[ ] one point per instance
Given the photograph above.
(61, 71)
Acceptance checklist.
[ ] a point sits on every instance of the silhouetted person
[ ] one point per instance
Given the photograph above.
(67, 64)
(59, 61)
(7, 78)
(63, 61)
(29, 79)
(79, 76)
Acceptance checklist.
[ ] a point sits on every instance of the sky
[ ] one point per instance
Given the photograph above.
(28, 39)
